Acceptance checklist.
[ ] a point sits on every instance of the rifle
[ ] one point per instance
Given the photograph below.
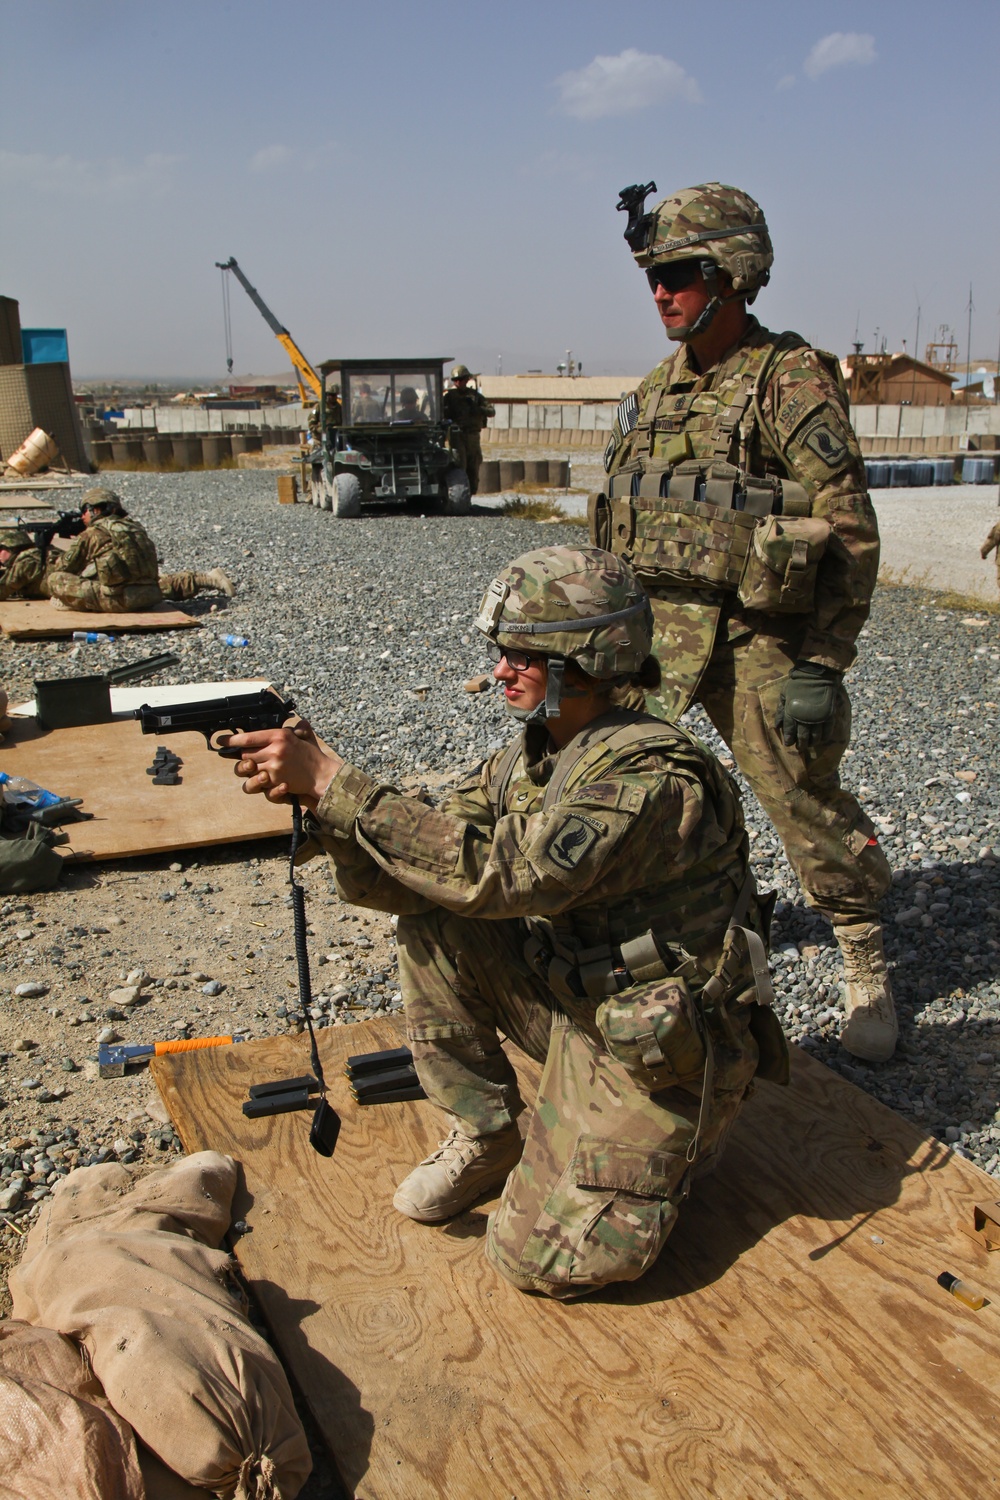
(240, 714)
(69, 524)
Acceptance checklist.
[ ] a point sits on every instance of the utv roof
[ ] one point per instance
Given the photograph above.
(385, 365)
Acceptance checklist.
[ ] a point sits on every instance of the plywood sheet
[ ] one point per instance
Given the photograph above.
(40, 620)
(105, 764)
(26, 502)
(790, 1342)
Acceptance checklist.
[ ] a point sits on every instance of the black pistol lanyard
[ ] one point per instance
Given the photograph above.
(323, 1133)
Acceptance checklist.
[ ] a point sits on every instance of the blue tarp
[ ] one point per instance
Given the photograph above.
(44, 346)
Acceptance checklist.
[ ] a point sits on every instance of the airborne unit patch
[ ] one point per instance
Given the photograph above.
(827, 444)
(572, 841)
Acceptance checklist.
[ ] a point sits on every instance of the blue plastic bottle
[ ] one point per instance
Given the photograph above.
(236, 640)
(19, 792)
(93, 637)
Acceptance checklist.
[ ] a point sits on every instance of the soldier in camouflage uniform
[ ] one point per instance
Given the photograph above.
(737, 491)
(470, 411)
(586, 893)
(113, 565)
(334, 413)
(23, 567)
(993, 542)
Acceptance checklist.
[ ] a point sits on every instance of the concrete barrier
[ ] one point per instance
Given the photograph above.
(559, 473)
(246, 442)
(127, 450)
(186, 452)
(489, 477)
(511, 472)
(536, 471)
(215, 449)
(157, 451)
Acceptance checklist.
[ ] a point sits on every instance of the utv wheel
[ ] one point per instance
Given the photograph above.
(458, 501)
(346, 502)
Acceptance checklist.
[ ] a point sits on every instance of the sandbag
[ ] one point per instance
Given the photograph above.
(134, 1272)
(59, 1437)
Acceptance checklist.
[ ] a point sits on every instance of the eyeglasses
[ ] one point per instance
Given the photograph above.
(673, 276)
(520, 661)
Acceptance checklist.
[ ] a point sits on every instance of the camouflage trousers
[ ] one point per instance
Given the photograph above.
(605, 1166)
(471, 454)
(87, 594)
(829, 840)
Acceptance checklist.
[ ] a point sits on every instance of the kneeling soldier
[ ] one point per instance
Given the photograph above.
(586, 893)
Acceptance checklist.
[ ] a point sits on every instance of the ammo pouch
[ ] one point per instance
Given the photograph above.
(779, 576)
(686, 542)
(112, 570)
(599, 521)
(652, 1030)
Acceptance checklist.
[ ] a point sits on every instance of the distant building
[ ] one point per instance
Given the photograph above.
(896, 380)
(572, 405)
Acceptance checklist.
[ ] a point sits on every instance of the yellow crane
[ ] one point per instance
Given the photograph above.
(304, 372)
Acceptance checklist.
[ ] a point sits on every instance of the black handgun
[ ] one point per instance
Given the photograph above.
(240, 714)
(69, 524)
(632, 200)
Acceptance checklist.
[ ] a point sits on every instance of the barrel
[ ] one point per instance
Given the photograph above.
(559, 473)
(511, 472)
(127, 450)
(157, 451)
(489, 477)
(944, 470)
(215, 449)
(878, 475)
(186, 452)
(900, 473)
(536, 471)
(977, 470)
(923, 472)
(37, 450)
(245, 442)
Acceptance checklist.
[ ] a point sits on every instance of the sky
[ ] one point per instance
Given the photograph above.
(441, 178)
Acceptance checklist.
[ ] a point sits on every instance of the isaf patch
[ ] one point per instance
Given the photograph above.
(572, 841)
(827, 445)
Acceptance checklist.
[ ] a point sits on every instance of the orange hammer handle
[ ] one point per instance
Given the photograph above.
(193, 1045)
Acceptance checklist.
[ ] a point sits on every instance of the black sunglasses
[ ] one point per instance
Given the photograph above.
(519, 660)
(673, 276)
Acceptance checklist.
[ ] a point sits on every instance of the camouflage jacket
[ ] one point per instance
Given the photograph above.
(468, 409)
(24, 576)
(993, 540)
(807, 437)
(119, 551)
(643, 838)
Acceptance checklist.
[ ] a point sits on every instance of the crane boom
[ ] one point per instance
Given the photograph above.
(303, 369)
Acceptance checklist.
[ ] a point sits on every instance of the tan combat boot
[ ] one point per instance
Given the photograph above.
(871, 1029)
(461, 1169)
(217, 579)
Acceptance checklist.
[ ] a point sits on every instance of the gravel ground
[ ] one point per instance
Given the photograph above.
(366, 623)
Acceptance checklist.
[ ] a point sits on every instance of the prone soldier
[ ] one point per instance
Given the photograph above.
(586, 892)
(113, 564)
(737, 490)
(470, 411)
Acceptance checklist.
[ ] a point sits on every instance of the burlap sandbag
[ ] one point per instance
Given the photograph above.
(59, 1437)
(134, 1273)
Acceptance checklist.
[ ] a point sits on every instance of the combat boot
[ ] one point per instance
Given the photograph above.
(871, 1028)
(461, 1169)
(217, 579)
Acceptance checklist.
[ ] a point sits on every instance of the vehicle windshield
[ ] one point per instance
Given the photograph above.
(404, 396)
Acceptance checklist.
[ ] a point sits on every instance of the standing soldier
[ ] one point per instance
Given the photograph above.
(469, 410)
(738, 492)
(22, 566)
(334, 413)
(993, 542)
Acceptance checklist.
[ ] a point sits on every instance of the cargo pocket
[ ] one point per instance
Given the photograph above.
(792, 767)
(606, 1219)
(782, 564)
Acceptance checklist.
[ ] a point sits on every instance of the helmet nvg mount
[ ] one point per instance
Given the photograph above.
(720, 227)
(569, 604)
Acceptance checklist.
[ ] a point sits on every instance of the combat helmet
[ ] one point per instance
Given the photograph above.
(461, 372)
(103, 502)
(570, 604)
(719, 226)
(14, 538)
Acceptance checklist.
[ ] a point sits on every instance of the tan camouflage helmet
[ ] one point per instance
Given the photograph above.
(711, 222)
(13, 538)
(102, 501)
(570, 604)
(461, 372)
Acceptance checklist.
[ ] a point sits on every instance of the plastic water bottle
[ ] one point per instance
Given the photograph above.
(18, 791)
(236, 640)
(93, 637)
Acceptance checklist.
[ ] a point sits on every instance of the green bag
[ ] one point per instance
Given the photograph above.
(652, 1031)
(28, 864)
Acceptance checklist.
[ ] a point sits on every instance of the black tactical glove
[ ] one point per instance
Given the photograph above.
(808, 704)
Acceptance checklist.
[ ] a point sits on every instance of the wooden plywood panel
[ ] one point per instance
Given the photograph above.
(105, 764)
(791, 1341)
(40, 620)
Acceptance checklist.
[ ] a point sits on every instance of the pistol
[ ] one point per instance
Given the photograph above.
(239, 714)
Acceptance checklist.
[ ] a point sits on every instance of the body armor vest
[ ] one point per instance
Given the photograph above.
(126, 555)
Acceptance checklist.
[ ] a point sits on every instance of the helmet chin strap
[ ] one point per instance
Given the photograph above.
(555, 691)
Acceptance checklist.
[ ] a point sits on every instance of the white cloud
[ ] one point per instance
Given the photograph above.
(268, 157)
(35, 172)
(621, 85)
(838, 48)
(787, 82)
